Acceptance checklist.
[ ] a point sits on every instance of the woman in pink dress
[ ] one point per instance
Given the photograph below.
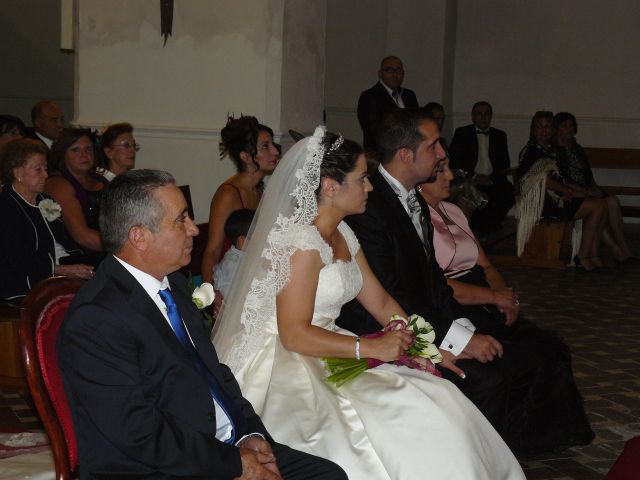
(559, 420)
(475, 281)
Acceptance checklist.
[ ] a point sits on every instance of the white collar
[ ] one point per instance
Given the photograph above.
(397, 187)
(48, 142)
(390, 90)
(150, 284)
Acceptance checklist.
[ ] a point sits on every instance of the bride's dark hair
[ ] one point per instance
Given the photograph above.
(338, 162)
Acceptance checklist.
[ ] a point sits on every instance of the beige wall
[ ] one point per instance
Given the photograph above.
(33, 66)
(224, 57)
(287, 60)
(575, 55)
(361, 33)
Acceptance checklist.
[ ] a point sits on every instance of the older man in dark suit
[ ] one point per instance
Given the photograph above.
(148, 395)
(384, 97)
(48, 122)
(482, 151)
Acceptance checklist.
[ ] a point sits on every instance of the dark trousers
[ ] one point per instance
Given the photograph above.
(500, 201)
(297, 465)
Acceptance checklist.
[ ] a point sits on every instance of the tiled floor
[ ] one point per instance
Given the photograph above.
(598, 315)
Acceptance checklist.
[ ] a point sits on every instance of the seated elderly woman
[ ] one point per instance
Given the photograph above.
(34, 238)
(575, 169)
(250, 146)
(118, 150)
(11, 128)
(77, 187)
(544, 192)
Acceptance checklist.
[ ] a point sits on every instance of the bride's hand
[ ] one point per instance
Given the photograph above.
(449, 362)
(387, 347)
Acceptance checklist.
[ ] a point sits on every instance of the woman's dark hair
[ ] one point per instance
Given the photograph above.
(539, 115)
(241, 135)
(108, 137)
(62, 144)
(339, 161)
(15, 154)
(562, 117)
(9, 122)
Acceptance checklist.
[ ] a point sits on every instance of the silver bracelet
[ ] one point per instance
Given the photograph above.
(357, 348)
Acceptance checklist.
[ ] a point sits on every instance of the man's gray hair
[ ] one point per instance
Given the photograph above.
(129, 201)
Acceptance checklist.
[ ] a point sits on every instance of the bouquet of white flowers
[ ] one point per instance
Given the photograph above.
(421, 355)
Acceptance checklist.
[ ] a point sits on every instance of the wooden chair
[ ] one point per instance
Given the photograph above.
(544, 247)
(43, 311)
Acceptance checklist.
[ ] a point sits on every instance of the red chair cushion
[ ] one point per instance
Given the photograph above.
(627, 467)
(46, 333)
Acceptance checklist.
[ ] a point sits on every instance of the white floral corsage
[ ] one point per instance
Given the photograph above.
(203, 295)
(50, 209)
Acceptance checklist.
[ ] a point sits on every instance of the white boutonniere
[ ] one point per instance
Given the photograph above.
(203, 295)
(50, 210)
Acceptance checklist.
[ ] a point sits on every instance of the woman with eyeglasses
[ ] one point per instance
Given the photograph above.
(77, 187)
(250, 146)
(118, 150)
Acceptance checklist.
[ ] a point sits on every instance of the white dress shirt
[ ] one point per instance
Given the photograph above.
(461, 330)
(48, 142)
(483, 167)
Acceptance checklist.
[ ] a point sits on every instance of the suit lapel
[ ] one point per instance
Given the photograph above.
(192, 318)
(392, 204)
(384, 96)
(140, 302)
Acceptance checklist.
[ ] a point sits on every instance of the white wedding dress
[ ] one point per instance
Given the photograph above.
(390, 423)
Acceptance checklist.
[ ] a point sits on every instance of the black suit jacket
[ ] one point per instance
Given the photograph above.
(374, 104)
(398, 258)
(464, 150)
(31, 133)
(140, 407)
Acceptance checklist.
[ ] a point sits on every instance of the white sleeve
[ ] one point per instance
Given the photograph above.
(458, 336)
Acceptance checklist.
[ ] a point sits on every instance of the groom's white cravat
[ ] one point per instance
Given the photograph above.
(461, 329)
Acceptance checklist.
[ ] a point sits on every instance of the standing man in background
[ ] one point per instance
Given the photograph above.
(383, 98)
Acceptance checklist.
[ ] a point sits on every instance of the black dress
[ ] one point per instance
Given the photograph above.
(544, 409)
(574, 166)
(89, 199)
(27, 248)
(562, 210)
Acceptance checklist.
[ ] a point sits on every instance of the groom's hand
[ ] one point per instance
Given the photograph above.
(483, 348)
(258, 466)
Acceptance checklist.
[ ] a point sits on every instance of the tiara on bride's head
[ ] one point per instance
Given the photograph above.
(337, 144)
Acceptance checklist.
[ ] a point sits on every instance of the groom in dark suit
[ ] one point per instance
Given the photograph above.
(512, 372)
(482, 151)
(148, 395)
(384, 97)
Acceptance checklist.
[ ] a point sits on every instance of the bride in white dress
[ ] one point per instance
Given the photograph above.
(301, 265)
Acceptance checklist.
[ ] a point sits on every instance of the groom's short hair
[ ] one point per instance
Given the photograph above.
(399, 130)
(129, 201)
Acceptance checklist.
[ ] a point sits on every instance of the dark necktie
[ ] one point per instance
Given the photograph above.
(396, 97)
(482, 132)
(415, 208)
(216, 390)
